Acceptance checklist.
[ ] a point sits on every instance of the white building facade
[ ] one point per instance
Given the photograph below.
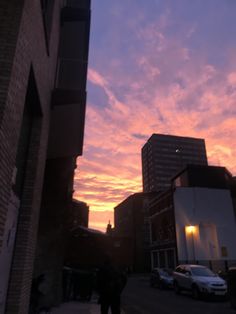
(205, 226)
(195, 220)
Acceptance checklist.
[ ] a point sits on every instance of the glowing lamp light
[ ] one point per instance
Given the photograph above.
(190, 229)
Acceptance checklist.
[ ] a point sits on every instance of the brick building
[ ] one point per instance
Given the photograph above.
(162, 226)
(131, 218)
(42, 86)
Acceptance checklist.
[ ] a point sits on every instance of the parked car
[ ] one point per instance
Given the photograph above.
(200, 280)
(161, 278)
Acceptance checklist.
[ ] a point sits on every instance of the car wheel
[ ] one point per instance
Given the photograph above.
(195, 292)
(177, 288)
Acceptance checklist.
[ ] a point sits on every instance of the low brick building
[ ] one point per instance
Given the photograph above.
(95, 246)
(131, 219)
(162, 231)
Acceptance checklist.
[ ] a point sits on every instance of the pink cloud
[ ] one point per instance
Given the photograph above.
(174, 90)
(96, 78)
(113, 171)
(232, 78)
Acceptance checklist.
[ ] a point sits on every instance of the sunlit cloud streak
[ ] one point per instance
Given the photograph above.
(159, 73)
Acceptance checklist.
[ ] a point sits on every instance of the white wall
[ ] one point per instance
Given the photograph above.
(211, 212)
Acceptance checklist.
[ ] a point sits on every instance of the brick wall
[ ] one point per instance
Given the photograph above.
(8, 37)
(23, 48)
(65, 144)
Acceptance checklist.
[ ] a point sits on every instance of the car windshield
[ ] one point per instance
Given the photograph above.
(201, 271)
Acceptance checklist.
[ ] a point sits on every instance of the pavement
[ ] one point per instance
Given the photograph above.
(76, 307)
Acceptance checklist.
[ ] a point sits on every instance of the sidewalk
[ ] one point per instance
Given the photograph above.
(77, 308)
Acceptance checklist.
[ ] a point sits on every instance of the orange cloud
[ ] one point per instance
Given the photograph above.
(111, 167)
(99, 219)
(165, 86)
(232, 78)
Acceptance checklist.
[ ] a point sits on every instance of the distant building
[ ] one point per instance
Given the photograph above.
(109, 229)
(79, 214)
(131, 220)
(195, 221)
(88, 248)
(164, 155)
(43, 61)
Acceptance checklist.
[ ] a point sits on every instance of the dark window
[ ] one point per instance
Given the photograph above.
(31, 111)
(154, 232)
(23, 147)
(185, 271)
(170, 259)
(162, 260)
(155, 259)
(179, 270)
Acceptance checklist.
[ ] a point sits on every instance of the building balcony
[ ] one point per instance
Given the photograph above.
(67, 123)
(71, 74)
(69, 96)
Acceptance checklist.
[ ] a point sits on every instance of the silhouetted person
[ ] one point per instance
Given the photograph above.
(36, 293)
(111, 282)
(87, 286)
(67, 283)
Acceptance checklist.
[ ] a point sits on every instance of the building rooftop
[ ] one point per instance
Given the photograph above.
(203, 176)
(172, 137)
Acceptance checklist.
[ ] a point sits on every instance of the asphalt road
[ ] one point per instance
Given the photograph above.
(139, 298)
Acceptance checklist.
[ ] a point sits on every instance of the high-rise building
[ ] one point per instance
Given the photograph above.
(163, 155)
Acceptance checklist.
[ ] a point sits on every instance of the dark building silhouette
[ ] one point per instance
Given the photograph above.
(109, 229)
(162, 231)
(164, 155)
(88, 248)
(65, 144)
(131, 219)
(79, 214)
(43, 62)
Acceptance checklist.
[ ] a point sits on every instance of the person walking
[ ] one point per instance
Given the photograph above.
(111, 283)
(36, 294)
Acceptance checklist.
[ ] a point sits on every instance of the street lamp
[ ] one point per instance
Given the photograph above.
(190, 231)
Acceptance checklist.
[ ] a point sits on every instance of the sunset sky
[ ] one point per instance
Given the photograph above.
(155, 66)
